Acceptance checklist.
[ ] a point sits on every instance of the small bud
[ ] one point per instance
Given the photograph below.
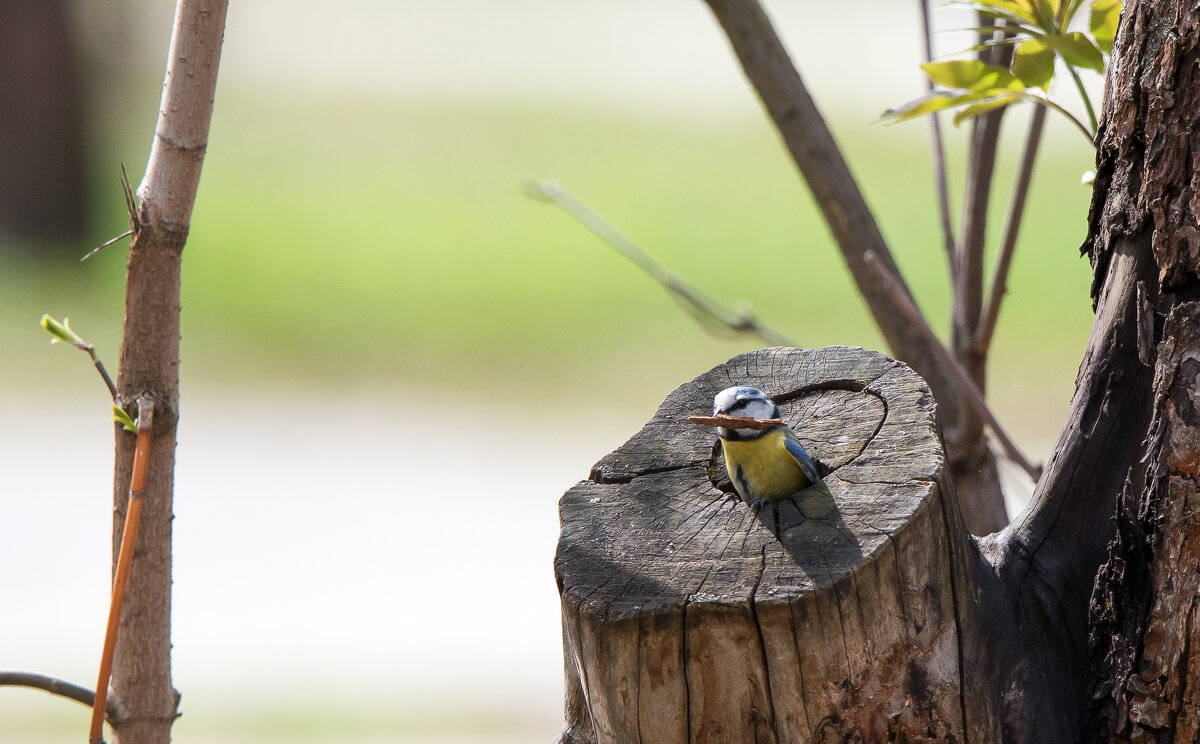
(122, 418)
(62, 332)
(1088, 177)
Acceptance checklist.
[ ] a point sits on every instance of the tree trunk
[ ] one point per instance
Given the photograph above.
(1145, 662)
(150, 366)
(689, 618)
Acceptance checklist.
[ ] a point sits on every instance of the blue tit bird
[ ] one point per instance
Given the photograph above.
(765, 465)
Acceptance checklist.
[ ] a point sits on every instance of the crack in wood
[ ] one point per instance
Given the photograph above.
(597, 476)
(799, 664)
(638, 687)
(687, 661)
(952, 560)
(762, 645)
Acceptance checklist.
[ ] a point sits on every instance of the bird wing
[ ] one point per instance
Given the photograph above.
(797, 451)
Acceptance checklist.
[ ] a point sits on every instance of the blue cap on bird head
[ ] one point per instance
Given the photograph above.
(745, 401)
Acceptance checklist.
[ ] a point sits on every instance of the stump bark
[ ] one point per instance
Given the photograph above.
(688, 618)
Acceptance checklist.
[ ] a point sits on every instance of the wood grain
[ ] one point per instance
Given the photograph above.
(687, 619)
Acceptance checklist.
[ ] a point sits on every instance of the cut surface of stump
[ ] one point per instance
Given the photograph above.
(689, 618)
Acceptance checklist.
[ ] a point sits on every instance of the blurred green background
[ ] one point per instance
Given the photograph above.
(394, 362)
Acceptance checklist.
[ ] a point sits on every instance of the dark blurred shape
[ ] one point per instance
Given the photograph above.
(43, 168)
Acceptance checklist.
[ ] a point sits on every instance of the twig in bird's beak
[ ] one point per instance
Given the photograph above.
(736, 422)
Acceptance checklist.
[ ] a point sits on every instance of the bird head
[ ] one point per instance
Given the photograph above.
(744, 401)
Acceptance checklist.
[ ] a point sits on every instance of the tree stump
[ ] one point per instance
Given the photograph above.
(687, 618)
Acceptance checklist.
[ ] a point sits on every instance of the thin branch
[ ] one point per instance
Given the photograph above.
(939, 155)
(112, 388)
(63, 333)
(131, 208)
(106, 244)
(141, 455)
(1087, 102)
(968, 296)
(709, 313)
(1045, 101)
(56, 686)
(991, 312)
(969, 391)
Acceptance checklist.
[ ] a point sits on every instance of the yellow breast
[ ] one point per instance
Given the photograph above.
(762, 468)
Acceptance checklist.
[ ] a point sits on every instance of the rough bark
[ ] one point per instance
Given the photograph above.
(1045, 562)
(1143, 653)
(150, 365)
(688, 618)
(1144, 663)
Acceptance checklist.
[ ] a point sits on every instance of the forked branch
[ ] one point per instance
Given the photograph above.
(855, 230)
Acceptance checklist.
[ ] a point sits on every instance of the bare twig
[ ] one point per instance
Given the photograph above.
(968, 296)
(145, 421)
(63, 333)
(1087, 102)
(710, 314)
(937, 149)
(130, 208)
(99, 365)
(736, 422)
(106, 244)
(1045, 101)
(56, 686)
(991, 312)
(966, 386)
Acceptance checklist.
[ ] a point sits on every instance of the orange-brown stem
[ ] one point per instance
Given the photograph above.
(141, 456)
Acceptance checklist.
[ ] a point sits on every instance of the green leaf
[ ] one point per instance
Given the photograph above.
(971, 74)
(992, 45)
(1011, 30)
(990, 104)
(1033, 64)
(1012, 20)
(62, 332)
(1105, 16)
(122, 418)
(924, 105)
(1015, 9)
(1077, 49)
(1046, 12)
